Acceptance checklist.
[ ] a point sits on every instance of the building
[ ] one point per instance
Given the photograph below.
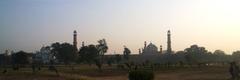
(150, 52)
(169, 48)
(150, 49)
(75, 39)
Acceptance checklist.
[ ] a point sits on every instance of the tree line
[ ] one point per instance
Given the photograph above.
(65, 53)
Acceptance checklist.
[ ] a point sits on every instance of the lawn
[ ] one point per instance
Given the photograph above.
(86, 72)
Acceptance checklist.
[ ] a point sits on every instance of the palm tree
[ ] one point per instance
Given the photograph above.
(102, 49)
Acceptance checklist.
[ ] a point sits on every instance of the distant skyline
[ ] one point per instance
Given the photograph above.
(29, 24)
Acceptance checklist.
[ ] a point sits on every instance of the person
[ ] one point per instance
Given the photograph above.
(234, 70)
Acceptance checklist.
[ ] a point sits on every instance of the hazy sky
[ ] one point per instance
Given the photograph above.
(29, 24)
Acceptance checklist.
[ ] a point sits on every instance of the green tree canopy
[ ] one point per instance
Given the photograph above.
(126, 53)
(236, 55)
(88, 54)
(196, 54)
(64, 52)
(21, 58)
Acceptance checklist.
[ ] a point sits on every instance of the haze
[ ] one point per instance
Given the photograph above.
(29, 24)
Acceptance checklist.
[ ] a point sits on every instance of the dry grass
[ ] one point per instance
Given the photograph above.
(86, 72)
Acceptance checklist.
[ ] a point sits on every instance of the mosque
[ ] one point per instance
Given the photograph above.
(152, 49)
(149, 51)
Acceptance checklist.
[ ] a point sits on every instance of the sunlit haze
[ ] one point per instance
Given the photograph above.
(30, 24)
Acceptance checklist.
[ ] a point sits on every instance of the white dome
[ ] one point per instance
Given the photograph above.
(151, 49)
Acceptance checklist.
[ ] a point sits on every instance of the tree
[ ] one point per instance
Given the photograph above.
(236, 55)
(93, 53)
(88, 54)
(180, 57)
(219, 56)
(4, 61)
(219, 52)
(64, 52)
(102, 49)
(126, 53)
(20, 58)
(55, 48)
(195, 54)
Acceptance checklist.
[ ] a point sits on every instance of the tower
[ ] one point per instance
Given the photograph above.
(83, 44)
(139, 51)
(145, 44)
(169, 48)
(160, 49)
(75, 39)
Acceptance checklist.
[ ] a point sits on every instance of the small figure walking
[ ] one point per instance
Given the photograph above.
(234, 70)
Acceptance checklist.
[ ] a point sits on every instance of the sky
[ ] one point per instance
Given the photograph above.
(30, 24)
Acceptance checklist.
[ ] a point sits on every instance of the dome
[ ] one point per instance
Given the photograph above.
(151, 46)
(151, 49)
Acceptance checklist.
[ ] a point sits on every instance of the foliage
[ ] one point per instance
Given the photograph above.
(5, 59)
(64, 52)
(88, 54)
(236, 55)
(219, 56)
(141, 75)
(21, 58)
(195, 54)
(2, 59)
(102, 47)
(126, 53)
(180, 56)
(94, 53)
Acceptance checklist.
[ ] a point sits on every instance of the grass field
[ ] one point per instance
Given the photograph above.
(86, 72)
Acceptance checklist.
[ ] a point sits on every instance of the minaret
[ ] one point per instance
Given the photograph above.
(160, 49)
(169, 49)
(145, 44)
(75, 39)
(139, 51)
(83, 44)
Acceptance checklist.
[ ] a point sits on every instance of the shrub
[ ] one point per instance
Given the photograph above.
(141, 75)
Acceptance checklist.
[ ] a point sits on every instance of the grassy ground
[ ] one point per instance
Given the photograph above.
(86, 72)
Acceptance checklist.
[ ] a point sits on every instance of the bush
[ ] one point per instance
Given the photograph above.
(141, 75)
